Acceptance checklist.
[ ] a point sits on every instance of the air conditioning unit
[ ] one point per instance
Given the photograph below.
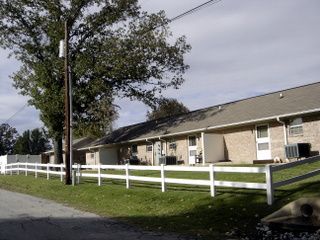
(297, 150)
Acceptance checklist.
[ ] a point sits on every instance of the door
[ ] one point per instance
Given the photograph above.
(192, 149)
(263, 142)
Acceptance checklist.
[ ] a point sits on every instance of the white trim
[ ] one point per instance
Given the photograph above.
(192, 148)
(263, 140)
(203, 149)
(209, 128)
(152, 157)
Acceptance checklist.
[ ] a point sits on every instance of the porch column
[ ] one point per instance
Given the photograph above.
(203, 149)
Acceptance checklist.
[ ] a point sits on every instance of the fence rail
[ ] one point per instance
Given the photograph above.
(79, 172)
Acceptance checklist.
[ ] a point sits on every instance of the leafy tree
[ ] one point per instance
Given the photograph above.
(8, 138)
(32, 142)
(167, 107)
(116, 50)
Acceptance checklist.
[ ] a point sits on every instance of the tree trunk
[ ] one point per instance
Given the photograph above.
(58, 153)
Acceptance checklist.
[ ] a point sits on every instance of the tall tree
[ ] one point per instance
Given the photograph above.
(166, 108)
(8, 138)
(32, 142)
(116, 50)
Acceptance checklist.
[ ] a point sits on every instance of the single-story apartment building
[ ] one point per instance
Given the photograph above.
(79, 156)
(253, 129)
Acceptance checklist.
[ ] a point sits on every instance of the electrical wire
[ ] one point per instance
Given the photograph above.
(17, 112)
(195, 9)
(184, 14)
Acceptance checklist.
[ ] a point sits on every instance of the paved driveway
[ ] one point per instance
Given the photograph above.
(26, 217)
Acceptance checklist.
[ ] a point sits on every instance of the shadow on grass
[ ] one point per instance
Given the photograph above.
(184, 209)
(238, 211)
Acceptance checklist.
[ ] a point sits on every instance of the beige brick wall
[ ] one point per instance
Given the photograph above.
(240, 144)
(143, 155)
(311, 133)
(92, 158)
(181, 150)
(277, 140)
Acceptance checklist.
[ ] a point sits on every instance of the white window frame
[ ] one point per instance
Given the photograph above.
(295, 126)
(149, 147)
(136, 148)
(172, 144)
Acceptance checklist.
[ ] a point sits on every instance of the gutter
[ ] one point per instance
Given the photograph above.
(211, 128)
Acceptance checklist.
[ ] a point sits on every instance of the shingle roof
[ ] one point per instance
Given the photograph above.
(269, 105)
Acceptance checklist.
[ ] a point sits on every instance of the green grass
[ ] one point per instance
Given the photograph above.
(183, 209)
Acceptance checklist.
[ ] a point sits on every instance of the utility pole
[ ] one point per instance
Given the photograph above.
(67, 94)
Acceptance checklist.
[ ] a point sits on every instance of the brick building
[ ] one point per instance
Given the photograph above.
(252, 129)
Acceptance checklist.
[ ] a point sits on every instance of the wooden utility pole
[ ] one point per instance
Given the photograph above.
(68, 144)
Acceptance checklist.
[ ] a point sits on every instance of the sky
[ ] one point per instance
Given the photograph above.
(240, 49)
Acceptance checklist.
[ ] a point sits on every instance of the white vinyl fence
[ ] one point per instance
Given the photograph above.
(212, 183)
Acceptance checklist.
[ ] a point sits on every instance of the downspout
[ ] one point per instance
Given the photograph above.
(152, 158)
(284, 130)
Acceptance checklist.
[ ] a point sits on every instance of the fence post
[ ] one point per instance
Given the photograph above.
(78, 173)
(73, 177)
(127, 176)
(26, 172)
(163, 182)
(269, 183)
(48, 176)
(18, 166)
(99, 175)
(11, 170)
(212, 177)
(61, 172)
(35, 170)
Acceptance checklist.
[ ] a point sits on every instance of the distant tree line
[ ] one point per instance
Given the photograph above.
(31, 142)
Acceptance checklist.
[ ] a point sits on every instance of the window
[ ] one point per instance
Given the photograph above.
(92, 155)
(263, 146)
(134, 148)
(193, 153)
(172, 144)
(295, 127)
(262, 131)
(192, 141)
(149, 147)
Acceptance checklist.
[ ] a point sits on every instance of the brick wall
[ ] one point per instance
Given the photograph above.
(311, 133)
(277, 140)
(240, 144)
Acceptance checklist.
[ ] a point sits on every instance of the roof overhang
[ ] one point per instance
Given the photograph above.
(217, 127)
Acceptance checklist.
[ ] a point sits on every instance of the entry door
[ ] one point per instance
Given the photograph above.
(192, 149)
(263, 142)
(157, 152)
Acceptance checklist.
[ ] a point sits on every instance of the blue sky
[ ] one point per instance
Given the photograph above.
(239, 49)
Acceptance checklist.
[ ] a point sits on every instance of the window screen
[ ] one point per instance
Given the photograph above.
(192, 141)
(262, 131)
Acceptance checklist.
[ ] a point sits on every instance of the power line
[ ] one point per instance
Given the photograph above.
(19, 110)
(195, 9)
(184, 14)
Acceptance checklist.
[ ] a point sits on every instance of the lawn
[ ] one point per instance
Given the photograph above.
(182, 209)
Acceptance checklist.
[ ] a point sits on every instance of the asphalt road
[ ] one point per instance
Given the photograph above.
(26, 217)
